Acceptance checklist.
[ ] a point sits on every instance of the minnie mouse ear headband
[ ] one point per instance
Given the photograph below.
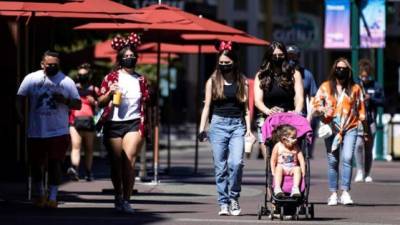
(118, 42)
(225, 46)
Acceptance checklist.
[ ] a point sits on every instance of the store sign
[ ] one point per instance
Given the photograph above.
(302, 30)
(372, 24)
(337, 24)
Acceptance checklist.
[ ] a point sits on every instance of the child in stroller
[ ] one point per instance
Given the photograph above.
(287, 159)
(287, 133)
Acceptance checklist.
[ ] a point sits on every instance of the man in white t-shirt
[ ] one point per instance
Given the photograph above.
(50, 94)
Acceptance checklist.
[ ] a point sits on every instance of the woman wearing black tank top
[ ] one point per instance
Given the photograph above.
(227, 92)
(278, 87)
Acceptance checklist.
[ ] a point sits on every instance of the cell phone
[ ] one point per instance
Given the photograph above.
(202, 136)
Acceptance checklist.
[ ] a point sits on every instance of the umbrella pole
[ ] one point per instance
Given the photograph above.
(157, 121)
(18, 81)
(168, 116)
(27, 70)
(196, 153)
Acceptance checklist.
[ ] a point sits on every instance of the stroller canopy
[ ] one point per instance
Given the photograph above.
(299, 122)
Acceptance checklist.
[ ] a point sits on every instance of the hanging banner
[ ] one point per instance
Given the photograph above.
(301, 29)
(372, 24)
(337, 24)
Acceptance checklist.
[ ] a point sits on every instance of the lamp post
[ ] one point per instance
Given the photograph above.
(355, 34)
(379, 126)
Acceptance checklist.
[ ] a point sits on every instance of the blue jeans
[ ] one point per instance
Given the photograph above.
(346, 151)
(227, 141)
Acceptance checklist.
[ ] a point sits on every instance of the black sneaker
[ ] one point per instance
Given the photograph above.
(73, 174)
(89, 177)
(118, 204)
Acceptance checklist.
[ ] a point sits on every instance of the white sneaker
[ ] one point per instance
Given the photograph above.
(235, 208)
(295, 192)
(333, 199)
(368, 179)
(224, 210)
(359, 177)
(278, 191)
(345, 199)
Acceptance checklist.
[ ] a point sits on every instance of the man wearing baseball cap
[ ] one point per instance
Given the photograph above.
(310, 87)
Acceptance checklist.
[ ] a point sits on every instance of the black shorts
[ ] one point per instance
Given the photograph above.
(118, 129)
(84, 124)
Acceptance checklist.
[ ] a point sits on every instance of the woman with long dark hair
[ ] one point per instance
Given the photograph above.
(123, 94)
(227, 93)
(340, 103)
(278, 87)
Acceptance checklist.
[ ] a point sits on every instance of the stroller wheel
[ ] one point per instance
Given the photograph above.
(312, 211)
(260, 212)
(307, 211)
(296, 215)
(271, 216)
(282, 213)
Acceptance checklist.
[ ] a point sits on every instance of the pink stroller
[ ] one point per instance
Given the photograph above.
(286, 205)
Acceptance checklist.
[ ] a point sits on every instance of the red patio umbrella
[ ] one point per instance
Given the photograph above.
(147, 55)
(151, 58)
(175, 48)
(100, 9)
(167, 24)
(238, 38)
(164, 18)
(104, 49)
(88, 10)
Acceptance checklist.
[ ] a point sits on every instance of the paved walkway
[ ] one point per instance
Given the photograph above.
(184, 198)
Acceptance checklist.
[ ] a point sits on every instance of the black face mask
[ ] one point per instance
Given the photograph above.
(128, 63)
(83, 78)
(225, 68)
(51, 70)
(277, 61)
(342, 73)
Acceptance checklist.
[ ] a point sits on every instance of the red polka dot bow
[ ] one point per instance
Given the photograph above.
(225, 45)
(118, 42)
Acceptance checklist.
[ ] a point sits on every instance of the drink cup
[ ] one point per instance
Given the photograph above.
(248, 143)
(117, 98)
